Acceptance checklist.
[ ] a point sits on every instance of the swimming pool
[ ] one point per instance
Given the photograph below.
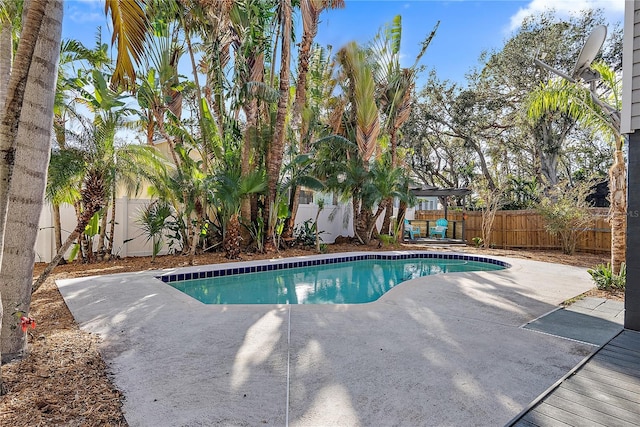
(351, 279)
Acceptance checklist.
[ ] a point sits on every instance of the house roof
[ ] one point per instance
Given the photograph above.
(439, 192)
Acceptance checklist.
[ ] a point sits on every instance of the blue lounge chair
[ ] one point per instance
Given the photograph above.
(440, 228)
(411, 230)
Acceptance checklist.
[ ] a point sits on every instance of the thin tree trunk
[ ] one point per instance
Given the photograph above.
(294, 204)
(483, 165)
(57, 226)
(387, 204)
(618, 211)
(102, 237)
(357, 221)
(310, 29)
(83, 220)
(276, 149)
(30, 148)
(251, 111)
(200, 112)
(372, 222)
(112, 225)
(6, 55)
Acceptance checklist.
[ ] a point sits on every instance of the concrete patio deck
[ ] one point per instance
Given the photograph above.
(438, 350)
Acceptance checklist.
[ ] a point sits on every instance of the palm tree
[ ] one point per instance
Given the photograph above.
(275, 152)
(72, 52)
(320, 85)
(601, 113)
(311, 10)
(27, 117)
(228, 189)
(361, 96)
(98, 157)
(395, 86)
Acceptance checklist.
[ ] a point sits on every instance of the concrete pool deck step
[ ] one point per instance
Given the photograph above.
(590, 320)
(437, 350)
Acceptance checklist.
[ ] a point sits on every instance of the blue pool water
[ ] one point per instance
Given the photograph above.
(350, 282)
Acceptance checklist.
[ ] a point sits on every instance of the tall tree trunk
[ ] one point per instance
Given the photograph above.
(6, 56)
(310, 16)
(31, 157)
(250, 133)
(112, 225)
(618, 210)
(387, 205)
(12, 109)
(483, 164)
(276, 148)
(100, 250)
(204, 127)
(57, 226)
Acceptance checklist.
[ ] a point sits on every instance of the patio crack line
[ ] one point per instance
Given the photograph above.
(286, 422)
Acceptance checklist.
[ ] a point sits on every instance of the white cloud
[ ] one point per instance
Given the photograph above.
(613, 9)
(84, 17)
(85, 11)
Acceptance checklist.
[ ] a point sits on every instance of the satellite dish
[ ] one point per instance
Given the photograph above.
(553, 70)
(588, 54)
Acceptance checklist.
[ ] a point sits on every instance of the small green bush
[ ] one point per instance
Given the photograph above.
(305, 233)
(477, 241)
(387, 239)
(605, 280)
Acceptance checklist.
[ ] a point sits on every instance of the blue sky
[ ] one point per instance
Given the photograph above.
(467, 27)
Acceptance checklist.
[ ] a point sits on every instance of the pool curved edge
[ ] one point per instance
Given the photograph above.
(242, 267)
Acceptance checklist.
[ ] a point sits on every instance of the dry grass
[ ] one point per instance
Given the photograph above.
(64, 381)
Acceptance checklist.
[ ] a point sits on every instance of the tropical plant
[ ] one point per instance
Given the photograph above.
(153, 221)
(275, 151)
(606, 280)
(227, 189)
(305, 233)
(600, 112)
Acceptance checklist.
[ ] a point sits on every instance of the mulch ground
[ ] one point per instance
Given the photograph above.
(63, 379)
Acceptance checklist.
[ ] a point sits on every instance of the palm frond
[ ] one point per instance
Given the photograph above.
(130, 28)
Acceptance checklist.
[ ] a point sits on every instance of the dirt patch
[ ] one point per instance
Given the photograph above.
(64, 381)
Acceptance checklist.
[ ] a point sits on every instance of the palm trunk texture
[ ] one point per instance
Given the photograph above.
(32, 150)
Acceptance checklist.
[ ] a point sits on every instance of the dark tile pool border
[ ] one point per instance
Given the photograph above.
(285, 264)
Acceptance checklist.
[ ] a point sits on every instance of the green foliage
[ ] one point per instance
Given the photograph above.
(477, 241)
(305, 233)
(566, 215)
(521, 193)
(257, 231)
(606, 280)
(386, 239)
(153, 221)
(93, 228)
(75, 250)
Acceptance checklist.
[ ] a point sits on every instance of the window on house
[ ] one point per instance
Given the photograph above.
(306, 197)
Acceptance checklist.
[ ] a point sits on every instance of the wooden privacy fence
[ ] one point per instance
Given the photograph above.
(521, 229)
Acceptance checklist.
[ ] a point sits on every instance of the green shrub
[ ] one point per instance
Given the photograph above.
(305, 233)
(606, 280)
(566, 214)
(387, 239)
(477, 241)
